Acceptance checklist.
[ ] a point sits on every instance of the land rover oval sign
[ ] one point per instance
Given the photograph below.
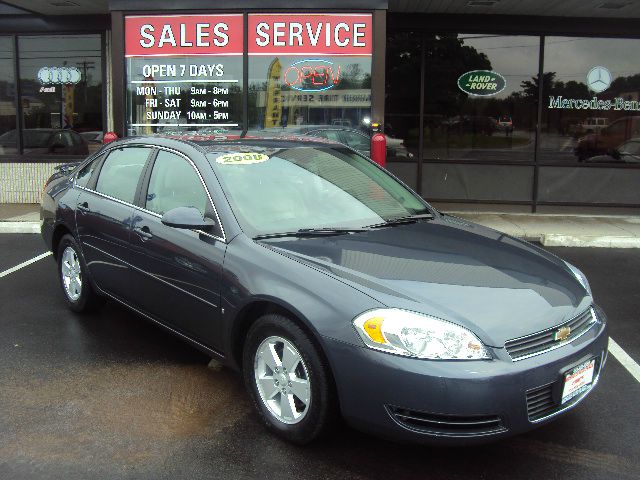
(482, 83)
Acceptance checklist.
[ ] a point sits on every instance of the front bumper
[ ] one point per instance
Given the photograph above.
(457, 402)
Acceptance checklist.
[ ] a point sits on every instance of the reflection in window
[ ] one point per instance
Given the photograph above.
(591, 101)
(174, 183)
(121, 171)
(289, 92)
(61, 87)
(8, 137)
(470, 125)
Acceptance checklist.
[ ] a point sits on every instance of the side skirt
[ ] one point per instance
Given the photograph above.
(203, 348)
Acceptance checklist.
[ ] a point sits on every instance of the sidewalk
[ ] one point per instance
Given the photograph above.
(559, 230)
(19, 218)
(553, 230)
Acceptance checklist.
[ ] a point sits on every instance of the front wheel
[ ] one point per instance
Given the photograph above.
(73, 276)
(288, 380)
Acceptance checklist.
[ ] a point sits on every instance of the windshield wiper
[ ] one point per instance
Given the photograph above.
(311, 232)
(403, 220)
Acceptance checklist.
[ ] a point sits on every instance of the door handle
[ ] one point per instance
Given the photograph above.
(144, 233)
(83, 207)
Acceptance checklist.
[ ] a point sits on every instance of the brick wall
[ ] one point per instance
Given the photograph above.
(23, 182)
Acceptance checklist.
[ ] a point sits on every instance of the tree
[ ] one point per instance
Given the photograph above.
(530, 87)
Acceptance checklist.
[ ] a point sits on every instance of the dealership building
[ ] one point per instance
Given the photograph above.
(495, 105)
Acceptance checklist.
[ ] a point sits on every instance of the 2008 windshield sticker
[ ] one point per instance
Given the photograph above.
(242, 158)
(482, 83)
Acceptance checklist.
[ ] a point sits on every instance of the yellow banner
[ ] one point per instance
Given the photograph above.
(273, 112)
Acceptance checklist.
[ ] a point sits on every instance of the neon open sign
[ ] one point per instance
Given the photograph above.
(312, 75)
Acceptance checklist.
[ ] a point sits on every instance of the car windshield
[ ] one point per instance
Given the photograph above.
(288, 189)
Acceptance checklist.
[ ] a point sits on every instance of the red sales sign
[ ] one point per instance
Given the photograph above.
(304, 34)
(183, 35)
(269, 34)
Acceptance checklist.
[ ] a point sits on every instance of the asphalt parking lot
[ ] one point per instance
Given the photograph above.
(112, 396)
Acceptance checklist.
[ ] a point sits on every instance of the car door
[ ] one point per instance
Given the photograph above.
(104, 213)
(177, 272)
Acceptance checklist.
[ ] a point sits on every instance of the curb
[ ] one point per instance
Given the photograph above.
(558, 240)
(19, 227)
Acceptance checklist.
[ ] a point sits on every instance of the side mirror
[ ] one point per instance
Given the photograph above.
(188, 218)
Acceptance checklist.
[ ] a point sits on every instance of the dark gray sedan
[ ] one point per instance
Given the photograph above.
(332, 287)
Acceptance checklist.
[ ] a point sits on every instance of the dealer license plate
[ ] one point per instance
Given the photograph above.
(578, 380)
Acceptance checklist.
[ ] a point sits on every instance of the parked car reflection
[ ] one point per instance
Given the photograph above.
(46, 141)
(608, 139)
(357, 139)
(475, 124)
(628, 152)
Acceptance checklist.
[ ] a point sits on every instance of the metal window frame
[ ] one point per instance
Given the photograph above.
(447, 24)
(120, 68)
(15, 39)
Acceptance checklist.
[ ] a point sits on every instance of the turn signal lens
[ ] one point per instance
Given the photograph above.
(373, 328)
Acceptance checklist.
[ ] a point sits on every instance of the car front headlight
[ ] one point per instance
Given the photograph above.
(581, 277)
(415, 335)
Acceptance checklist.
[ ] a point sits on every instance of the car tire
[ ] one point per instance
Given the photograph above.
(316, 417)
(74, 278)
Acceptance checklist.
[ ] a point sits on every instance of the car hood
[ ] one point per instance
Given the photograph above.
(498, 286)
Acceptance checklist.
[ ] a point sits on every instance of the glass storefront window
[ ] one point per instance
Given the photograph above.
(402, 103)
(309, 70)
(8, 137)
(184, 74)
(480, 103)
(591, 101)
(590, 118)
(61, 93)
(333, 91)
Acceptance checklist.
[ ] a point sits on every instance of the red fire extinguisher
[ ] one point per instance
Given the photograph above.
(109, 137)
(378, 145)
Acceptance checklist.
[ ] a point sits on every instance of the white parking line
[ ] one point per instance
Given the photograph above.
(24, 264)
(624, 358)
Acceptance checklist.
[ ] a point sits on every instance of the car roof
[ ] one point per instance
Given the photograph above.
(228, 142)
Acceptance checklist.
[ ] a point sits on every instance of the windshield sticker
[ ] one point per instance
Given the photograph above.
(242, 158)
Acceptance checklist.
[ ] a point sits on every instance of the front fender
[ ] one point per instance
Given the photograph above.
(255, 272)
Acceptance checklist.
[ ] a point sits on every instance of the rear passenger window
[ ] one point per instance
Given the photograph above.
(121, 171)
(84, 175)
(174, 183)
(329, 134)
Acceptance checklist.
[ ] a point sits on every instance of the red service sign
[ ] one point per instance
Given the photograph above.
(310, 34)
(183, 35)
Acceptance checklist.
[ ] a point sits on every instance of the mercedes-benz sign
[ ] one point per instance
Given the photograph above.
(598, 79)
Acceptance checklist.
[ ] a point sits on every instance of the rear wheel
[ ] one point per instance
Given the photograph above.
(73, 276)
(288, 381)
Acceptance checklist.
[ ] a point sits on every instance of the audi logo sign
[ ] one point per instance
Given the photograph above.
(59, 75)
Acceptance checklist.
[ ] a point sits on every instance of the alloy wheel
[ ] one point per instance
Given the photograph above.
(71, 274)
(282, 379)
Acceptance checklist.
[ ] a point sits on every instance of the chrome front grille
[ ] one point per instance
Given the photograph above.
(545, 340)
(449, 425)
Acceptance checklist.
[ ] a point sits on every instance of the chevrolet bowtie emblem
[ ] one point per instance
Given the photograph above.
(562, 334)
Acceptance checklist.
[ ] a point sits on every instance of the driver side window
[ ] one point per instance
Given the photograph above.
(174, 183)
